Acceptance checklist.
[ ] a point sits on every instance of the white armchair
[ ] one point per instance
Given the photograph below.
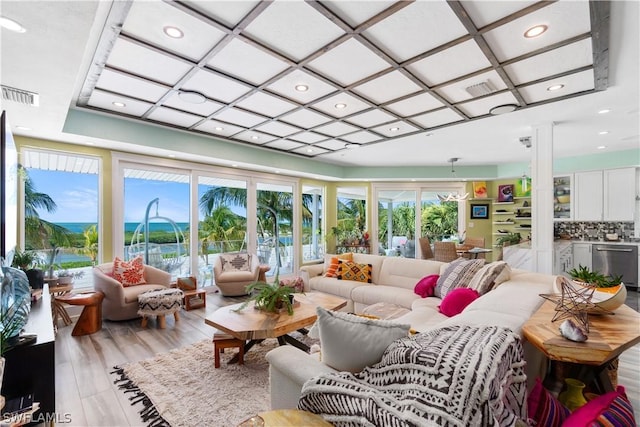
(121, 303)
(234, 271)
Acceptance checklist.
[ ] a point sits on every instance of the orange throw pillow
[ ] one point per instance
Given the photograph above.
(332, 269)
(129, 273)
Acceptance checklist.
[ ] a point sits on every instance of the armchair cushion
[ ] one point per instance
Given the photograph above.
(235, 262)
(129, 273)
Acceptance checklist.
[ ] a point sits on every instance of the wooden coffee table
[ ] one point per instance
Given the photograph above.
(253, 326)
(609, 336)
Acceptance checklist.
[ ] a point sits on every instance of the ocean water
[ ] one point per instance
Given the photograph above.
(79, 227)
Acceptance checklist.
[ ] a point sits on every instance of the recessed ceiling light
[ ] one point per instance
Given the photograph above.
(604, 111)
(394, 129)
(119, 104)
(255, 137)
(192, 97)
(603, 132)
(302, 88)
(234, 165)
(309, 150)
(535, 31)
(277, 171)
(23, 128)
(601, 147)
(90, 143)
(503, 109)
(173, 32)
(340, 105)
(173, 156)
(219, 128)
(11, 25)
(554, 88)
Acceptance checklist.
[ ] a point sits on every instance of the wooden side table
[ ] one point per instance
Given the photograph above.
(56, 307)
(609, 336)
(90, 320)
(195, 298)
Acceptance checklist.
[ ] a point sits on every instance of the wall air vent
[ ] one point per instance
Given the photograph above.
(20, 96)
(482, 88)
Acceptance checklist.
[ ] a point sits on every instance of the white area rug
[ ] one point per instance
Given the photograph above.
(182, 388)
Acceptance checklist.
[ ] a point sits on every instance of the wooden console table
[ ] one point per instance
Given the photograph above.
(609, 336)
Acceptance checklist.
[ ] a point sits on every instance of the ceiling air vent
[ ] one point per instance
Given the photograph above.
(20, 96)
(483, 88)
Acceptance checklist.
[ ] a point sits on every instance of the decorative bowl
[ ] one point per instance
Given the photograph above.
(607, 299)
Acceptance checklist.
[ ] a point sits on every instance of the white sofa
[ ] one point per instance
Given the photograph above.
(508, 305)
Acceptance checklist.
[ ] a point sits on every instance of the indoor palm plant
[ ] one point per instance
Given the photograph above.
(609, 291)
(270, 296)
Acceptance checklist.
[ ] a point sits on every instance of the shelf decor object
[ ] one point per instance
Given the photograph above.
(480, 211)
(523, 187)
(480, 189)
(505, 193)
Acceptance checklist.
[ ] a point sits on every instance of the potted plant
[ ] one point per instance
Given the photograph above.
(270, 296)
(510, 239)
(65, 277)
(609, 291)
(23, 260)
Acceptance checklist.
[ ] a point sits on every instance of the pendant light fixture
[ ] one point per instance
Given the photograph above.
(453, 197)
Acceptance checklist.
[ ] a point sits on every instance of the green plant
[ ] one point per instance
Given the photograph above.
(270, 296)
(511, 239)
(23, 259)
(594, 278)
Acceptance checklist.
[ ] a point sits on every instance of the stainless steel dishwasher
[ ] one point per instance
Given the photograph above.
(617, 260)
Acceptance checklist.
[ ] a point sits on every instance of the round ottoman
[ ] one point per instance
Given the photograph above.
(159, 304)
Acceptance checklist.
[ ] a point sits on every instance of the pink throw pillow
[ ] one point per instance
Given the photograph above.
(457, 300)
(426, 285)
(129, 273)
(610, 409)
(544, 408)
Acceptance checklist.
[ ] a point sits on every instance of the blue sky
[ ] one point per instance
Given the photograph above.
(76, 196)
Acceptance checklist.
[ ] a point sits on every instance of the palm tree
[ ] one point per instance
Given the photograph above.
(90, 243)
(221, 224)
(38, 232)
(440, 220)
(275, 208)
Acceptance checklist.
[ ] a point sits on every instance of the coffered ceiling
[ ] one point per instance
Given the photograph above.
(405, 82)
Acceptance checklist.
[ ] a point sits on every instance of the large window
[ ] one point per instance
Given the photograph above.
(351, 232)
(274, 205)
(156, 218)
(312, 233)
(61, 212)
(397, 222)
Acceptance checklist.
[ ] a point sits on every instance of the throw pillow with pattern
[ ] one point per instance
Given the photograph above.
(348, 270)
(457, 275)
(235, 262)
(332, 269)
(485, 278)
(129, 273)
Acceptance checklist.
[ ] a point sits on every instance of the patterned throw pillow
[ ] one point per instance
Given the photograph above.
(348, 270)
(235, 262)
(544, 409)
(129, 273)
(332, 269)
(483, 281)
(457, 275)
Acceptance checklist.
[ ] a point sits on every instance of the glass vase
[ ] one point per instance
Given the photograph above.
(572, 397)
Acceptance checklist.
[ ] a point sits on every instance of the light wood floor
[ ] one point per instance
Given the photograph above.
(85, 389)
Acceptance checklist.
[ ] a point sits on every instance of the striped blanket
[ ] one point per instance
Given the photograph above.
(450, 376)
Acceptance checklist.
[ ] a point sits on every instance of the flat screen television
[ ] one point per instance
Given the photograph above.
(8, 191)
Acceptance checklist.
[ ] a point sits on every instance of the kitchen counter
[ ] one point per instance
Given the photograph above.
(595, 242)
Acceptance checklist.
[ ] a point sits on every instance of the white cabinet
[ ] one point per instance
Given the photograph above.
(607, 195)
(582, 255)
(563, 259)
(588, 190)
(619, 194)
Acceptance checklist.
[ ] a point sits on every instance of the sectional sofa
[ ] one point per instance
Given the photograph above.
(392, 282)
